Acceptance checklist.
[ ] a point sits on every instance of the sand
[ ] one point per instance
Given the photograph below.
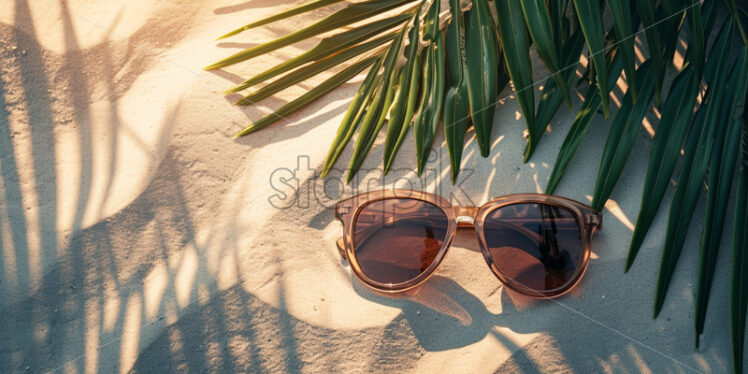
(136, 235)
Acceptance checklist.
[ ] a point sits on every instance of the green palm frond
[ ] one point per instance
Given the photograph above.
(351, 14)
(671, 132)
(328, 47)
(308, 7)
(590, 17)
(481, 47)
(592, 103)
(425, 68)
(623, 132)
(406, 99)
(429, 113)
(541, 29)
(739, 287)
(456, 104)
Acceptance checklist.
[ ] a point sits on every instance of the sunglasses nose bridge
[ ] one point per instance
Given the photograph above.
(465, 215)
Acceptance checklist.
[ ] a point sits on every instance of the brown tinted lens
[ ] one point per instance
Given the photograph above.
(395, 240)
(538, 247)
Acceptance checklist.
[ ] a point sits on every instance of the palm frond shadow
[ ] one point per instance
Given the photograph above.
(64, 287)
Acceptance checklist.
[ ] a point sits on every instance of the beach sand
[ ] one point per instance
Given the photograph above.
(137, 235)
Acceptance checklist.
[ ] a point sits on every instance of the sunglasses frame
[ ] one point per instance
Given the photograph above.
(347, 211)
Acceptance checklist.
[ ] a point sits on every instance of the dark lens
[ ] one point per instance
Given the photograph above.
(537, 246)
(395, 240)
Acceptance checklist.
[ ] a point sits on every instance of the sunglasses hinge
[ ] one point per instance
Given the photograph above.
(594, 220)
(342, 209)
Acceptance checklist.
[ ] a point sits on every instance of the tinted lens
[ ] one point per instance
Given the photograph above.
(395, 240)
(538, 246)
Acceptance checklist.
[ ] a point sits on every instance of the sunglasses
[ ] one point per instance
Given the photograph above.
(537, 245)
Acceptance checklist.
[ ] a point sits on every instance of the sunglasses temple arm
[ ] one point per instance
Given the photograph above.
(595, 221)
(341, 248)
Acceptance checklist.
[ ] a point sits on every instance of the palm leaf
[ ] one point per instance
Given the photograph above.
(481, 73)
(405, 102)
(623, 26)
(516, 49)
(716, 68)
(306, 99)
(672, 14)
(671, 132)
(705, 134)
(700, 22)
(539, 24)
(686, 194)
(739, 282)
(313, 69)
(282, 15)
(353, 115)
(329, 46)
(721, 170)
(351, 14)
(738, 13)
(562, 28)
(376, 112)
(623, 132)
(697, 37)
(578, 130)
(456, 104)
(550, 96)
(646, 10)
(709, 16)
(429, 114)
(590, 19)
